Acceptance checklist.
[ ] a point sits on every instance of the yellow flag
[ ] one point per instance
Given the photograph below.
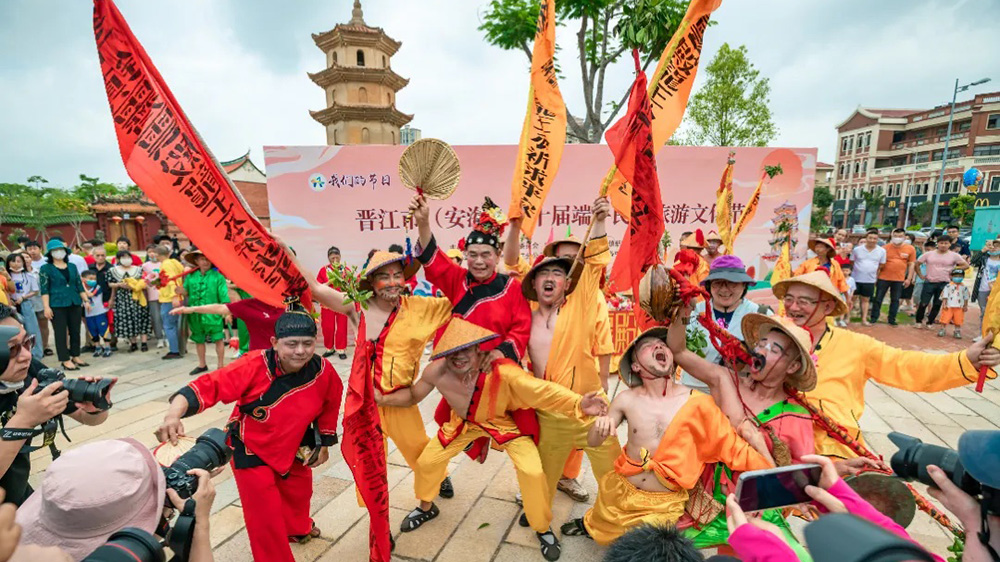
(724, 206)
(543, 134)
(668, 91)
(749, 211)
(783, 267)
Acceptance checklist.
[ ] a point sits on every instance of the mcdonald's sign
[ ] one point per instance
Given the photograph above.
(982, 202)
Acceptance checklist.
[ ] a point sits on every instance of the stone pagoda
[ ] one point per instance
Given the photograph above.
(359, 83)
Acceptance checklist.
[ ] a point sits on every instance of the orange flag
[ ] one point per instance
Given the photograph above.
(668, 91)
(724, 205)
(169, 161)
(544, 132)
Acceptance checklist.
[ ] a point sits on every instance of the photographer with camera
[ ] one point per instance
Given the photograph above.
(32, 395)
(287, 402)
(105, 499)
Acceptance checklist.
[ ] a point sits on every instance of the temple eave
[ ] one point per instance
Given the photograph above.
(336, 114)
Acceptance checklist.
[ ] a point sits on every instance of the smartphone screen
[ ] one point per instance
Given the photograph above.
(776, 487)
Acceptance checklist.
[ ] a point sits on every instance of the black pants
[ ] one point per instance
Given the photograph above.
(932, 292)
(66, 325)
(895, 289)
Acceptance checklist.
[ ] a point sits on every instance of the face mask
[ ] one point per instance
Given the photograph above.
(994, 252)
(59, 254)
(897, 241)
(957, 279)
(126, 262)
(91, 283)
(8, 387)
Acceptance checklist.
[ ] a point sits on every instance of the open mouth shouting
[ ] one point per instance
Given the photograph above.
(548, 288)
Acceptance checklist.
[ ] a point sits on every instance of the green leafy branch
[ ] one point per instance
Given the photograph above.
(347, 280)
(772, 171)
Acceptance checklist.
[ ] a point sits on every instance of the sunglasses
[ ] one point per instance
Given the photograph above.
(27, 343)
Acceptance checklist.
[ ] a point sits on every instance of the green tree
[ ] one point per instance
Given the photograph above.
(38, 181)
(963, 207)
(606, 29)
(921, 212)
(91, 188)
(873, 200)
(822, 199)
(731, 108)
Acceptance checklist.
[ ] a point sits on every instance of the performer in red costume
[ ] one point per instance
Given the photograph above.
(286, 397)
(478, 294)
(334, 324)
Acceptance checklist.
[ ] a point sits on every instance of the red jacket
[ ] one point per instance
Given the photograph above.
(273, 409)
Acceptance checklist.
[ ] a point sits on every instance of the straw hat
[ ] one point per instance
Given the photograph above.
(454, 253)
(91, 492)
(549, 250)
(694, 240)
(825, 241)
(528, 283)
(192, 257)
(819, 279)
(713, 235)
(625, 363)
(755, 326)
(381, 259)
(460, 334)
(431, 166)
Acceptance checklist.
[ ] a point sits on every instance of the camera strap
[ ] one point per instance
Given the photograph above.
(984, 531)
(47, 431)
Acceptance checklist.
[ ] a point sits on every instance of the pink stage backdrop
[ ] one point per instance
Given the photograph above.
(351, 196)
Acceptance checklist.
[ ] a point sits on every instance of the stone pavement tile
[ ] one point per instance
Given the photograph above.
(914, 403)
(517, 553)
(946, 404)
(871, 421)
(948, 434)
(340, 514)
(311, 550)
(470, 480)
(973, 422)
(354, 544)
(983, 407)
(226, 495)
(325, 489)
(402, 496)
(225, 524)
(887, 407)
(480, 534)
(913, 428)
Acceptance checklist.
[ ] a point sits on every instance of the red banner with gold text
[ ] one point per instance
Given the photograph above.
(167, 159)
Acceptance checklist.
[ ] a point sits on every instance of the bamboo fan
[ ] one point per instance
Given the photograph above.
(430, 166)
(166, 454)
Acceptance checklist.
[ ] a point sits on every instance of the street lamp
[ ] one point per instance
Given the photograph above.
(947, 141)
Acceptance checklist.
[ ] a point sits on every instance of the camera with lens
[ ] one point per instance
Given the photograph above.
(133, 544)
(914, 456)
(96, 393)
(210, 451)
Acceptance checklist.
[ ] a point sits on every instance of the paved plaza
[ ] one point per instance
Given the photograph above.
(479, 523)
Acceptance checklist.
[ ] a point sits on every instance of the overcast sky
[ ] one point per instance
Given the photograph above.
(238, 68)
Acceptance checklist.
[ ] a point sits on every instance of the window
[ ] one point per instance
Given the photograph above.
(868, 139)
(335, 141)
(857, 168)
(843, 144)
(365, 136)
(995, 183)
(899, 189)
(926, 188)
(993, 121)
(936, 155)
(393, 133)
(840, 172)
(987, 150)
(385, 62)
(919, 134)
(850, 143)
(361, 57)
(898, 136)
(864, 167)
(334, 58)
(388, 99)
(921, 157)
(964, 126)
(362, 95)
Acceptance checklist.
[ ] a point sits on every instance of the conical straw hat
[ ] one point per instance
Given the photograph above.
(381, 259)
(460, 334)
(754, 326)
(432, 166)
(819, 279)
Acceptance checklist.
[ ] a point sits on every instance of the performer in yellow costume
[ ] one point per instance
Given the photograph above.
(673, 433)
(481, 395)
(847, 360)
(825, 250)
(398, 327)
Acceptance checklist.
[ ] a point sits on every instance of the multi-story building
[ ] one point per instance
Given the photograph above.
(899, 153)
(409, 135)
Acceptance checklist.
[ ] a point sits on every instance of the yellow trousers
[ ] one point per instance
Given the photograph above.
(405, 426)
(560, 436)
(621, 506)
(433, 465)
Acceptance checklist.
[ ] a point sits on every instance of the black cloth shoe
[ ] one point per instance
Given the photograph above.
(447, 491)
(171, 355)
(133, 347)
(199, 370)
(523, 520)
(343, 356)
(330, 353)
(574, 528)
(549, 545)
(144, 347)
(47, 352)
(418, 517)
(89, 348)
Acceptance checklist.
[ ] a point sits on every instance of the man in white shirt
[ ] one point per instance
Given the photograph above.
(868, 261)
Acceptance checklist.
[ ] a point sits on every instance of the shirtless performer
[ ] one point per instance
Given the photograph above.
(785, 424)
(482, 394)
(673, 432)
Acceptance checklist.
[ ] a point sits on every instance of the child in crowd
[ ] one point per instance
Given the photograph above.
(852, 286)
(97, 316)
(955, 297)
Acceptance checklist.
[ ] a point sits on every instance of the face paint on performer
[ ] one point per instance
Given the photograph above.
(388, 282)
(551, 283)
(465, 361)
(567, 250)
(807, 306)
(482, 261)
(775, 347)
(652, 359)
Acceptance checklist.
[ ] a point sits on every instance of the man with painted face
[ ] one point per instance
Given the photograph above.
(392, 334)
(846, 360)
(286, 397)
(22, 409)
(673, 432)
(713, 243)
(561, 350)
(478, 293)
(728, 283)
(755, 394)
(482, 393)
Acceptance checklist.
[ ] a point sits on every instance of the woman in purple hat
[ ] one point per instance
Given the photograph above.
(728, 283)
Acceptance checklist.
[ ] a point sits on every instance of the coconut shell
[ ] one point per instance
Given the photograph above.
(656, 293)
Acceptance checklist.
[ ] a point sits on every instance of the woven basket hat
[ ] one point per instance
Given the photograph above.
(431, 166)
(819, 279)
(460, 334)
(549, 250)
(528, 283)
(381, 259)
(625, 364)
(756, 326)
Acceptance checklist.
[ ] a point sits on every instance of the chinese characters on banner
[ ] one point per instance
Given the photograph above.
(669, 89)
(544, 132)
(623, 329)
(167, 159)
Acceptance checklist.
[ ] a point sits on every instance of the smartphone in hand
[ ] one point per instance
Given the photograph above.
(770, 488)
